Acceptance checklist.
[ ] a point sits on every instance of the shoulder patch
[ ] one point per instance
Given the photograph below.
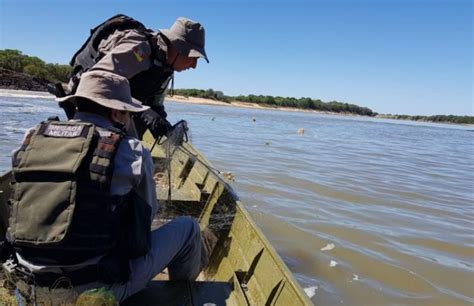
(139, 52)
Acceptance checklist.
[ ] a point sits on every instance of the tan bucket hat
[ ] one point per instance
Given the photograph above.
(188, 37)
(107, 89)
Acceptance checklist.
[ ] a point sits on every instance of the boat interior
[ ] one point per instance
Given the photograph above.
(243, 268)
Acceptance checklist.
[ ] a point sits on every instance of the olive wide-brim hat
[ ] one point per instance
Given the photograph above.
(107, 89)
(188, 37)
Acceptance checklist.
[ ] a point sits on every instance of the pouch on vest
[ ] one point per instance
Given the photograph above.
(44, 196)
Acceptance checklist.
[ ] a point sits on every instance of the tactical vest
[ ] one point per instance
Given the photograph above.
(62, 209)
(145, 84)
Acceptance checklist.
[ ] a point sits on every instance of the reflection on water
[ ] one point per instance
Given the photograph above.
(363, 211)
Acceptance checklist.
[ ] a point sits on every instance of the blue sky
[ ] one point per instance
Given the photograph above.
(393, 56)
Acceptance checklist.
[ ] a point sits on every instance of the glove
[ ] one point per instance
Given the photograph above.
(160, 110)
(156, 103)
(157, 125)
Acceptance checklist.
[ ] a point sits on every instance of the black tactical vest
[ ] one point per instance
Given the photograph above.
(62, 209)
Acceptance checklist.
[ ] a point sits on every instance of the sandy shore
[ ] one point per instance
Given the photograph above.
(19, 93)
(183, 99)
(175, 98)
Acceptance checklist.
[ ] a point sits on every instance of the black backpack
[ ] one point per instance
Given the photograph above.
(88, 54)
(143, 85)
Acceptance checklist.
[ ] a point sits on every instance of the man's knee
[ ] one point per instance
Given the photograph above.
(189, 224)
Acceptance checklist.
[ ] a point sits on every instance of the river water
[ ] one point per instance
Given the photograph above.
(363, 211)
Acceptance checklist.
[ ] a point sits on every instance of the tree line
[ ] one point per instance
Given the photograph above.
(301, 103)
(15, 60)
(435, 118)
(312, 104)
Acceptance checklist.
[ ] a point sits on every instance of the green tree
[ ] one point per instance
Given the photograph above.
(12, 60)
(36, 71)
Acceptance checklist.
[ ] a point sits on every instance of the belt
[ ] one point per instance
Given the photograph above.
(79, 277)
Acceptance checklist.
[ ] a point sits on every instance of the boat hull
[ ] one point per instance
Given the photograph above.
(244, 269)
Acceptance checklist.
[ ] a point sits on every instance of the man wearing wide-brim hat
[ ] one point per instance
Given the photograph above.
(113, 200)
(148, 60)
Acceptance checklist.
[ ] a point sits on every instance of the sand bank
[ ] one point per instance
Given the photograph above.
(195, 100)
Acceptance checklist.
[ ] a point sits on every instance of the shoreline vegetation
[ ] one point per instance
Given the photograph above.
(303, 104)
(23, 72)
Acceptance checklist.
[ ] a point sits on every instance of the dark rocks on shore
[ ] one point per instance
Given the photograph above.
(16, 80)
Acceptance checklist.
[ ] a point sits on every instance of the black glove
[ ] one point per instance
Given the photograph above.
(160, 110)
(157, 125)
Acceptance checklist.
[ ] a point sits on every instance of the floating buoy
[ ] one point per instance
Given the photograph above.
(328, 247)
(311, 291)
(228, 176)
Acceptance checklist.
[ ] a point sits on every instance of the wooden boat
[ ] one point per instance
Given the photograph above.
(244, 269)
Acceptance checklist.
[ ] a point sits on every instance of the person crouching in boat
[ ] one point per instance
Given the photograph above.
(84, 199)
(147, 58)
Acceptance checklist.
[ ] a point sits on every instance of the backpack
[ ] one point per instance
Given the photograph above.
(143, 85)
(62, 210)
(88, 54)
(61, 203)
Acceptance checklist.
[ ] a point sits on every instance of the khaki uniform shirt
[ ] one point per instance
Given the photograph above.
(127, 53)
